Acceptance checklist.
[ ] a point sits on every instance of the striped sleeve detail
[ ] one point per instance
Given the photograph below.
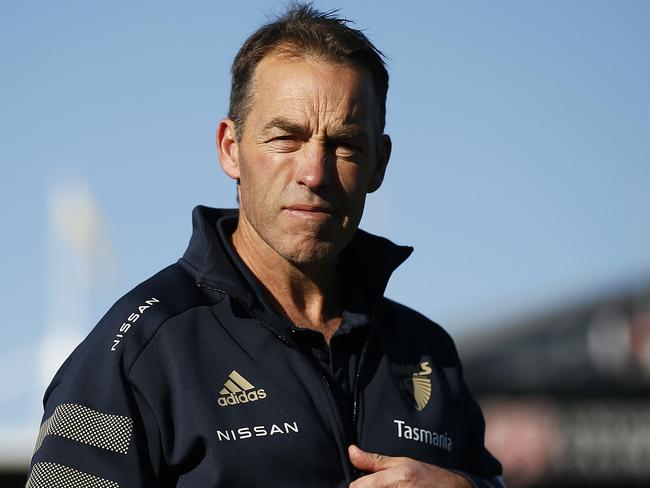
(52, 475)
(88, 426)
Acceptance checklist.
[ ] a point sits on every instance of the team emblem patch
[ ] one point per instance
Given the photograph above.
(415, 382)
(422, 386)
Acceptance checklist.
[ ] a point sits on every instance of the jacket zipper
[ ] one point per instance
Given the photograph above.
(333, 409)
(339, 430)
(357, 376)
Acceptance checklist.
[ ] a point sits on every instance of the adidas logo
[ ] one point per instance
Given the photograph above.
(238, 389)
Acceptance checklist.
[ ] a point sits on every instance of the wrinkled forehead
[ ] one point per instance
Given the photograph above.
(312, 89)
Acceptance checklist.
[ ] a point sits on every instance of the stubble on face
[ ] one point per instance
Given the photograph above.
(306, 158)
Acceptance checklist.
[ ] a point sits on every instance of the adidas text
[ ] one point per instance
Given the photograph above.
(237, 390)
(242, 397)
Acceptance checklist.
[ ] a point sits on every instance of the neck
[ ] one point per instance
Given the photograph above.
(307, 294)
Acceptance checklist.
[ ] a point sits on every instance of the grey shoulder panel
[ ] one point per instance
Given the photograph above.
(87, 426)
(53, 475)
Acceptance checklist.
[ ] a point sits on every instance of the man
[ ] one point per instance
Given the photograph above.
(268, 353)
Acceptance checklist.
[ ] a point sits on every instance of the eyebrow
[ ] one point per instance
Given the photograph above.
(284, 124)
(346, 132)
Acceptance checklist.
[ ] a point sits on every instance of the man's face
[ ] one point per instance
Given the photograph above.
(308, 156)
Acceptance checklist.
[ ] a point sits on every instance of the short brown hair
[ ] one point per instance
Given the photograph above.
(302, 31)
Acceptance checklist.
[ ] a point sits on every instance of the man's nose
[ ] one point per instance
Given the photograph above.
(316, 167)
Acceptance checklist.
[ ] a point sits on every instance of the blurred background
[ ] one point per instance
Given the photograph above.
(520, 173)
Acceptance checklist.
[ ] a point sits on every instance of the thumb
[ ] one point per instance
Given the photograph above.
(366, 461)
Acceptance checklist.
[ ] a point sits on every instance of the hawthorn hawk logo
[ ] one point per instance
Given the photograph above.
(415, 382)
(421, 384)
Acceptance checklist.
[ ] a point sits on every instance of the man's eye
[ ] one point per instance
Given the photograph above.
(285, 143)
(346, 149)
(285, 138)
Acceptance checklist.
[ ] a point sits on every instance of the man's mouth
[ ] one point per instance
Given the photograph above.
(310, 211)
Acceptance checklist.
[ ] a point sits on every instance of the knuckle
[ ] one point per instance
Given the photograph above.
(377, 460)
(407, 473)
(358, 483)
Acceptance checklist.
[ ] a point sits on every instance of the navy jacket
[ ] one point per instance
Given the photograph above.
(192, 380)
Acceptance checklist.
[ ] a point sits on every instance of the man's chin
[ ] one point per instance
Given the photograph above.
(315, 252)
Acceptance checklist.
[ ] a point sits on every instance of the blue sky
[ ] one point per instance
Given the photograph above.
(520, 168)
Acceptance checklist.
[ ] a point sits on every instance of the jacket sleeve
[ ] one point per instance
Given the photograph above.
(95, 431)
(480, 467)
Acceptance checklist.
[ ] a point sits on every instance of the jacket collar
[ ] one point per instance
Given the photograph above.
(366, 263)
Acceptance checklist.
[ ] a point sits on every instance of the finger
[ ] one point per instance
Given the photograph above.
(363, 460)
(388, 478)
(369, 461)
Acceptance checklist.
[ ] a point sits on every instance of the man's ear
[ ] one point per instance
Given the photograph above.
(383, 155)
(228, 148)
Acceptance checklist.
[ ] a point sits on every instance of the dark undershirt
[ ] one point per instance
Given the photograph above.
(339, 361)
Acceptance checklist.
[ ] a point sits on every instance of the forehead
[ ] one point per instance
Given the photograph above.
(313, 88)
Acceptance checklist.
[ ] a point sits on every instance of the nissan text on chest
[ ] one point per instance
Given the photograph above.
(268, 355)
